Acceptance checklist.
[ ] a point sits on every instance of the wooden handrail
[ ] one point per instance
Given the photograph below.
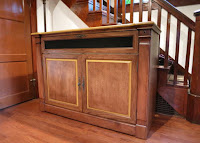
(176, 13)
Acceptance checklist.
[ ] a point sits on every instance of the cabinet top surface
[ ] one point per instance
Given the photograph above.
(149, 25)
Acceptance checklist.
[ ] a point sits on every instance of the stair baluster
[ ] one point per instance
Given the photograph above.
(131, 11)
(149, 10)
(123, 11)
(186, 74)
(177, 51)
(116, 11)
(167, 39)
(108, 11)
(140, 10)
(100, 5)
(94, 5)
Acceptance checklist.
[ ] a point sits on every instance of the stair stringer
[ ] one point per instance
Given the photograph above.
(175, 95)
(79, 7)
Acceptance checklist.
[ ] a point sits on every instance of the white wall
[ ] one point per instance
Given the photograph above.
(189, 10)
(40, 16)
(58, 17)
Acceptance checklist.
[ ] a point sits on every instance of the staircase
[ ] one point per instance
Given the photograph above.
(173, 78)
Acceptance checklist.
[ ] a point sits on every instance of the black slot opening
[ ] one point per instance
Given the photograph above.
(114, 42)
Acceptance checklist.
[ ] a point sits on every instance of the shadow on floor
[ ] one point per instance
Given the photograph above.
(158, 121)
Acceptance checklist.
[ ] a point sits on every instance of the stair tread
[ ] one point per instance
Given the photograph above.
(178, 84)
(180, 78)
(106, 24)
(162, 67)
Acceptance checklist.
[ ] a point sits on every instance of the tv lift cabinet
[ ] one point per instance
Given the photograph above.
(105, 76)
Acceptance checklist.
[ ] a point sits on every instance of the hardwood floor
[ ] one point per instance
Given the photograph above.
(25, 123)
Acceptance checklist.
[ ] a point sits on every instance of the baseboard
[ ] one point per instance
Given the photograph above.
(15, 99)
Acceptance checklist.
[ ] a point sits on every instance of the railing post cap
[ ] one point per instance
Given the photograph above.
(197, 12)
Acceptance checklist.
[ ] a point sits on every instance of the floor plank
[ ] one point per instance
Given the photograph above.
(25, 123)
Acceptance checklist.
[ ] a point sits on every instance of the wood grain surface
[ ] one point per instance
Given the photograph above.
(26, 123)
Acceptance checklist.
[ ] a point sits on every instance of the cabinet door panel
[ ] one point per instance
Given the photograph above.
(111, 86)
(62, 79)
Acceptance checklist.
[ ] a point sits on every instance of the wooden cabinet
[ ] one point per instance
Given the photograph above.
(111, 86)
(62, 81)
(103, 76)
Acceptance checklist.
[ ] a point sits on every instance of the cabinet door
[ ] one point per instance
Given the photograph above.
(111, 86)
(62, 81)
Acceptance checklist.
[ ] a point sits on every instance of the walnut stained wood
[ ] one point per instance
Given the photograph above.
(100, 86)
(15, 53)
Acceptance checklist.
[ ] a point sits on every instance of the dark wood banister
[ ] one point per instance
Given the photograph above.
(191, 25)
(172, 11)
(176, 13)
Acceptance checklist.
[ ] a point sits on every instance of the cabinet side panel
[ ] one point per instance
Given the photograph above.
(154, 52)
(143, 80)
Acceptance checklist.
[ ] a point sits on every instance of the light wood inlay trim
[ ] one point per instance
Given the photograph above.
(130, 73)
(53, 100)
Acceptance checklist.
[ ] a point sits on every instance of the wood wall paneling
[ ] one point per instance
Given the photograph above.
(12, 9)
(14, 83)
(12, 45)
(15, 53)
(14, 78)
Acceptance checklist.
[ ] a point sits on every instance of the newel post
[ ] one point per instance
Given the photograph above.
(193, 110)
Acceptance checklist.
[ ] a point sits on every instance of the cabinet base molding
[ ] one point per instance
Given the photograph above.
(141, 131)
(90, 119)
